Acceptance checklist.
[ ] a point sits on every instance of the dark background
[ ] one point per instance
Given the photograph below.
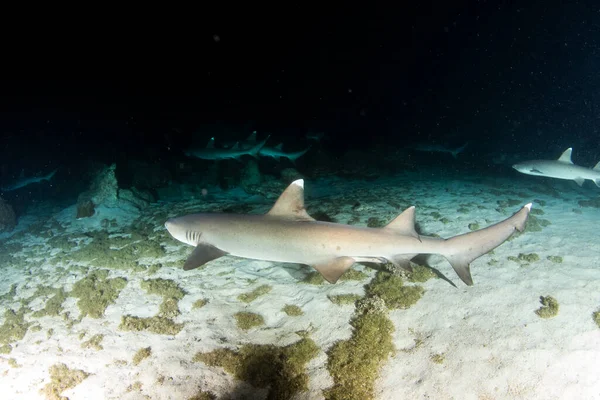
(508, 76)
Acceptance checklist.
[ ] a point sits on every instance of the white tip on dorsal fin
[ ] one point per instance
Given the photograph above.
(290, 205)
(404, 223)
(211, 143)
(566, 156)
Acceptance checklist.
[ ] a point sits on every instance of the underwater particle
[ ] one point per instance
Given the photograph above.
(156, 324)
(199, 303)
(292, 311)
(246, 320)
(354, 364)
(142, 354)
(93, 343)
(555, 259)
(596, 317)
(61, 379)
(549, 307)
(96, 292)
(14, 327)
(344, 299)
(256, 293)
(391, 289)
(473, 226)
(280, 369)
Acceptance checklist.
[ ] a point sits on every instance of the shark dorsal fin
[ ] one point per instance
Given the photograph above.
(290, 205)
(279, 146)
(211, 143)
(404, 223)
(597, 167)
(566, 156)
(252, 137)
(236, 146)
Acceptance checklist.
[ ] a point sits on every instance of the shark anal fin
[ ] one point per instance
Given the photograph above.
(579, 181)
(332, 270)
(202, 254)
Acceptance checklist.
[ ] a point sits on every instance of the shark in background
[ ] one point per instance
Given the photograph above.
(287, 233)
(562, 168)
(210, 152)
(438, 148)
(22, 181)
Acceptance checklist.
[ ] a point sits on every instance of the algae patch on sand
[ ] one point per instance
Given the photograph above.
(549, 307)
(280, 369)
(96, 292)
(62, 378)
(256, 293)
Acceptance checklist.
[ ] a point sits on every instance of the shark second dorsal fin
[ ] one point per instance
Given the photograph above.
(566, 156)
(404, 224)
(252, 137)
(279, 147)
(290, 205)
(211, 143)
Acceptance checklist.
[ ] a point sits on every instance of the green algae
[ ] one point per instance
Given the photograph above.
(420, 273)
(94, 343)
(255, 294)
(596, 317)
(199, 303)
(14, 327)
(96, 292)
(438, 358)
(53, 306)
(61, 379)
(204, 396)
(170, 292)
(280, 369)
(353, 275)
(292, 310)
(474, 226)
(246, 320)
(549, 307)
(555, 259)
(354, 364)
(314, 278)
(156, 324)
(141, 355)
(390, 288)
(344, 299)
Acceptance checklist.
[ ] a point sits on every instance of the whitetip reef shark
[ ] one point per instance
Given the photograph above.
(288, 234)
(563, 168)
(210, 152)
(438, 148)
(22, 182)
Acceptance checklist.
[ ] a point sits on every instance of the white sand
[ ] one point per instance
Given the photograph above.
(493, 344)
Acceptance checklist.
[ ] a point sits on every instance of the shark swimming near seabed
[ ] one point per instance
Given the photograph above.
(22, 182)
(210, 152)
(562, 168)
(278, 153)
(438, 148)
(288, 234)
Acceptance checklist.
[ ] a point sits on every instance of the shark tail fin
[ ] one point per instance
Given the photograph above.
(456, 152)
(461, 250)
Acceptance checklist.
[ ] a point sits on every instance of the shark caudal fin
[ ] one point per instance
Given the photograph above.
(461, 250)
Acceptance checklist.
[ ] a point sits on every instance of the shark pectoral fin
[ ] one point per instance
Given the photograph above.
(332, 270)
(202, 254)
(579, 181)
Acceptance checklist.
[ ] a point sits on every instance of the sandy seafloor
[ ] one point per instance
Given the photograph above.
(493, 345)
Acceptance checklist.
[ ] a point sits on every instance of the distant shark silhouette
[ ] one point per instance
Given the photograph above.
(22, 182)
(210, 152)
(438, 148)
(288, 234)
(563, 168)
